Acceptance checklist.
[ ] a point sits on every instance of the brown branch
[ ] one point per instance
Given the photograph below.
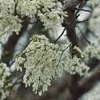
(70, 22)
(86, 83)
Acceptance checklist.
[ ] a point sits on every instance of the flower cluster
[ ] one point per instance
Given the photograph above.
(31, 7)
(12, 13)
(45, 10)
(43, 61)
(92, 51)
(9, 22)
(5, 85)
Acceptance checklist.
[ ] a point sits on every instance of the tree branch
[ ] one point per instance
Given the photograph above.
(86, 83)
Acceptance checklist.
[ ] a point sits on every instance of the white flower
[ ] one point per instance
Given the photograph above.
(43, 62)
(4, 85)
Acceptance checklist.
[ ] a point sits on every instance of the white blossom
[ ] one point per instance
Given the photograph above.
(12, 13)
(43, 62)
(4, 85)
(92, 51)
(8, 20)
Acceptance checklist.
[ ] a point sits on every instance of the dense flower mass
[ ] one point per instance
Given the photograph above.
(5, 86)
(8, 20)
(31, 7)
(43, 61)
(12, 13)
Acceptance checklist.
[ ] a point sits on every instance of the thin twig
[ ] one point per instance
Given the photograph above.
(84, 35)
(80, 6)
(16, 81)
(83, 9)
(60, 35)
(3, 33)
(63, 52)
